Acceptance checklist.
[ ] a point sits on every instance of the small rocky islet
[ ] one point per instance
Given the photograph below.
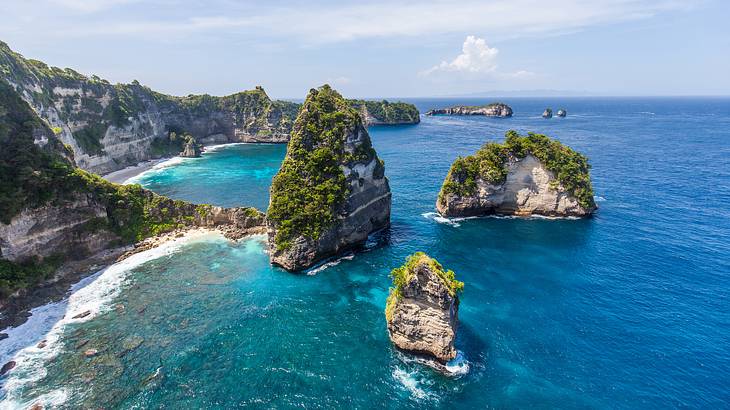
(526, 175)
(489, 110)
(422, 309)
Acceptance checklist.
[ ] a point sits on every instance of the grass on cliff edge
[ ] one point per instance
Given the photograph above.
(310, 188)
(403, 274)
(571, 168)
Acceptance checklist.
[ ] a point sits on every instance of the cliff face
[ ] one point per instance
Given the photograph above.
(490, 110)
(110, 126)
(331, 191)
(422, 309)
(530, 175)
(386, 113)
(51, 210)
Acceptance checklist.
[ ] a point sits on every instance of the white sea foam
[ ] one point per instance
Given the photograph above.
(159, 166)
(412, 383)
(440, 219)
(458, 366)
(92, 294)
(328, 263)
(455, 221)
(217, 147)
(599, 198)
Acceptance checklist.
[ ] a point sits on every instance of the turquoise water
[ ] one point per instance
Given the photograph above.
(628, 309)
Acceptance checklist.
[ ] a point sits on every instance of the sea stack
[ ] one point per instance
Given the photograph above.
(191, 149)
(526, 175)
(331, 191)
(490, 110)
(422, 310)
(548, 113)
(562, 113)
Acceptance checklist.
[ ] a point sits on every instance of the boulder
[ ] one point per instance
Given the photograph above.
(7, 367)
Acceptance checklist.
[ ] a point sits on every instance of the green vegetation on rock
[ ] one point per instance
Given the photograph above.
(310, 187)
(571, 168)
(388, 112)
(29, 174)
(403, 274)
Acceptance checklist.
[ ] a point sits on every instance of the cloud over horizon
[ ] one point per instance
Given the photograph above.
(476, 58)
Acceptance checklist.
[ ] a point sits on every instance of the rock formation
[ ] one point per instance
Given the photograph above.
(489, 110)
(331, 191)
(191, 149)
(562, 113)
(52, 211)
(386, 113)
(422, 308)
(527, 175)
(111, 126)
(548, 113)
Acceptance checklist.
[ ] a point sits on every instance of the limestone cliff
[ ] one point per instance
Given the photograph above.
(530, 175)
(331, 191)
(489, 110)
(110, 126)
(423, 308)
(52, 211)
(386, 113)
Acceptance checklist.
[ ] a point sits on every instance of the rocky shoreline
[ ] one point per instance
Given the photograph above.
(16, 310)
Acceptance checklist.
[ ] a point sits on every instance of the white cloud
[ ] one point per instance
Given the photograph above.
(476, 57)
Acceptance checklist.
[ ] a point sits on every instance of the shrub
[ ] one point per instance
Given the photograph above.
(403, 274)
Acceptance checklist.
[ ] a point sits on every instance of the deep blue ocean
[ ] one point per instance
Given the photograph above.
(627, 309)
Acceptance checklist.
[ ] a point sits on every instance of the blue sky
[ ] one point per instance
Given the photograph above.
(383, 48)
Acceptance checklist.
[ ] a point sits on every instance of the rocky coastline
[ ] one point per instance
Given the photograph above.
(111, 126)
(15, 310)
